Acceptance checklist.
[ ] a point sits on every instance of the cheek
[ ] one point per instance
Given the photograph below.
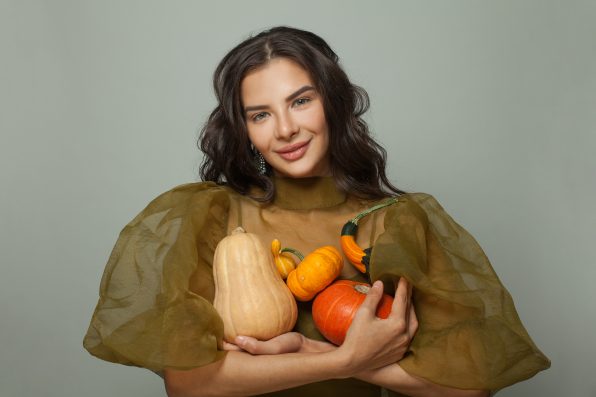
(315, 121)
(321, 121)
(323, 130)
(257, 136)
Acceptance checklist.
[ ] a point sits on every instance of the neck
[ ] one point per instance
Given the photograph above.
(307, 193)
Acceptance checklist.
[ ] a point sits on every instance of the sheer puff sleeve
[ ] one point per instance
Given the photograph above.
(155, 302)
(469, 334)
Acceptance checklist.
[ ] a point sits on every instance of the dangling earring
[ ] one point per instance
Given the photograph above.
(259, 160)
(261, 165)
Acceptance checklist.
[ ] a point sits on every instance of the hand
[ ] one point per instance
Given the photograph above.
(372, 342)
(291, 342)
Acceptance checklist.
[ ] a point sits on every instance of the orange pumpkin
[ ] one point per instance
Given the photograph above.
(315, 272)
(334, 308)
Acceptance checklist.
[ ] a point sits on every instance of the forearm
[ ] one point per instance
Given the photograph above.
(241, 374)
(393, 377)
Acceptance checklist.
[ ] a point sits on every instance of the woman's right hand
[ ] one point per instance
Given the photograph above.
(372, 342)
(290, 342)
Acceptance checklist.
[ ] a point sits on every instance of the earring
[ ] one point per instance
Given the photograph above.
(259, 160)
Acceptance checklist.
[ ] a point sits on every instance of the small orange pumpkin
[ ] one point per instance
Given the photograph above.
(315, 272)
(335, 307)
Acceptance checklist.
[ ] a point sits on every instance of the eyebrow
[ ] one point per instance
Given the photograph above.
(288, 99)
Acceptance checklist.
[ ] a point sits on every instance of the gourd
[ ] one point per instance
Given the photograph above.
(250, 295)
(283, 259)
(334, 308)
(357, 256)
(315, 272)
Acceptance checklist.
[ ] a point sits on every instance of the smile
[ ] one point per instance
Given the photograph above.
(293, 152)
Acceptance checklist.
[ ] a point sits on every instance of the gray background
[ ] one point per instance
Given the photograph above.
(489, 106)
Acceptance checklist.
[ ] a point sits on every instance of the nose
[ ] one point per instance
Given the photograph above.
(286, 126)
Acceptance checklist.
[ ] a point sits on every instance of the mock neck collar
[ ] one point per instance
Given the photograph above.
(307, 193)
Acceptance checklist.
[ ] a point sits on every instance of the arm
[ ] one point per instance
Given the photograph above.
(241, 373)
(391, 377)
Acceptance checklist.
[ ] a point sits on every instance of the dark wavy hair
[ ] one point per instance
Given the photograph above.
(357, 162)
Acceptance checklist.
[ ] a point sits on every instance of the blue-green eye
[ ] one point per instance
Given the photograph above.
(259, 116)
(302, 101)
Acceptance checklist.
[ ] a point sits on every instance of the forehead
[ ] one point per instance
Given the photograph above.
(277, 79)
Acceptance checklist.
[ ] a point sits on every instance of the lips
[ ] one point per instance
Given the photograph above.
(294, 151)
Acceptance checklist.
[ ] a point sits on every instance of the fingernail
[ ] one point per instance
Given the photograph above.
(377, 284)
(240, 340)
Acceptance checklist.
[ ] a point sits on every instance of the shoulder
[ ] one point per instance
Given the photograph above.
(190, 191)
(193, 193)
(188, 199)
(417, 205)
(425, 210)
(422, 210)
(420, 199)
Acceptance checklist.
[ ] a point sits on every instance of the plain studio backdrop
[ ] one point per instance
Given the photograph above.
(488, 105)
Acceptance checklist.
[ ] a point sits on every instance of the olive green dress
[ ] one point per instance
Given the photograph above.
(155, 306)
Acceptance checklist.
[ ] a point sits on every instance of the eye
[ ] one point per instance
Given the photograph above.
(301, 101)
(258, 117)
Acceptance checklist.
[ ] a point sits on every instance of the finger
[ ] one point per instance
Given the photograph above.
(285, 343)
(409, 300)
(289, 342)
(371, 301)
(247, 343)
(399, 308)
(413, 323)
(230, 346)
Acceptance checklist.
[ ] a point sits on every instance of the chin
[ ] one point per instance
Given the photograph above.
(304, 170)
(295, 174)
(301, 173)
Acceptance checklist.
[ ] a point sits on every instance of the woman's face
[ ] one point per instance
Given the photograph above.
(285, 119)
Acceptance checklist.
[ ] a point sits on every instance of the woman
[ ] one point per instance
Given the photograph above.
(287, 156)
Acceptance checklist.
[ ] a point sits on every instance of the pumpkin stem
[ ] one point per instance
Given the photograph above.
(373, 209)
(293, 251)
(239, 229)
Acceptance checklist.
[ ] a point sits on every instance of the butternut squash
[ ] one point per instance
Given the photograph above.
(250, 295)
